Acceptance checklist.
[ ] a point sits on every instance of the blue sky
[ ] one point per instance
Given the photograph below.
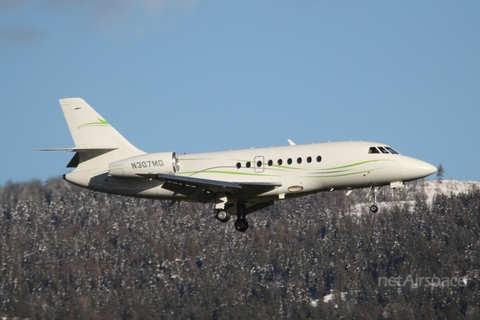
(192, 76)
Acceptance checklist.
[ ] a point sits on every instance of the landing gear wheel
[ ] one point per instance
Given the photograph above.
(222, 216)
(241, 225)
(374, 208)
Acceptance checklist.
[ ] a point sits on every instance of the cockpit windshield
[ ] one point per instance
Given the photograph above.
(384, 150)
(391, 150)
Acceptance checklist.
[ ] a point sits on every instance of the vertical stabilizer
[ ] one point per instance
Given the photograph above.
(97, 146)
(97, 143)
(89, 129)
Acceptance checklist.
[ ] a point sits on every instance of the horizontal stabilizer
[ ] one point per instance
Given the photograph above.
(80, 149)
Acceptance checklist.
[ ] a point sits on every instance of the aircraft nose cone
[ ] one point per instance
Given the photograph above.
(413, 169)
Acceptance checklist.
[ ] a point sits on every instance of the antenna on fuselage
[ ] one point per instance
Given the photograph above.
(291, 142)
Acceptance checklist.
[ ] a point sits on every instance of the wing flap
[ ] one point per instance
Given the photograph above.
(214, 186)
(259, 187)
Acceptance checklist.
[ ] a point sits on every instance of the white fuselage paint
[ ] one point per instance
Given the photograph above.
(343, 165)
(237, 182)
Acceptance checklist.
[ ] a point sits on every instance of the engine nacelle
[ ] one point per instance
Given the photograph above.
(152, 163)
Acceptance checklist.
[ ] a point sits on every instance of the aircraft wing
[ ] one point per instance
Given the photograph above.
(205, 189)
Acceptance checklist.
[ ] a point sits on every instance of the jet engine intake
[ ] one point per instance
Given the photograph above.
(152, 163)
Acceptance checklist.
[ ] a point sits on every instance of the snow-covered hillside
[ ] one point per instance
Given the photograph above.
(389, 197)
(448, 187)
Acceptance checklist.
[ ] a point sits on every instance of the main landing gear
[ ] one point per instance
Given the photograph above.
(241, 223)
(373, 195)
(222, 215)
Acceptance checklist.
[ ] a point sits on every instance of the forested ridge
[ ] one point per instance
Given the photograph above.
(70, 253)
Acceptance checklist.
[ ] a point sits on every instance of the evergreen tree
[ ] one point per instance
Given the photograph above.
(440, 173)
(67, 252)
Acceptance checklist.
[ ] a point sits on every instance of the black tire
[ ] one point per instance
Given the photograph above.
(374, 208)
(241, 225)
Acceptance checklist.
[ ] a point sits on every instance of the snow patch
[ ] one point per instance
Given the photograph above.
(430, 188)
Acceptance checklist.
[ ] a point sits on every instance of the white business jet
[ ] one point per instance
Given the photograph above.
(237, 182)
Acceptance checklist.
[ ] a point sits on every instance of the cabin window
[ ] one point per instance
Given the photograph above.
(289, 161)
(299, 160)
(259, 164)
(373, 150)
(382, 149)
(248, 164)
(239, 165)
(270, 163)
(309, 159)
(279, 162)
(319, 159)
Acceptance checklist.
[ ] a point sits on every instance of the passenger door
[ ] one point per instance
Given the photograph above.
(259, 165)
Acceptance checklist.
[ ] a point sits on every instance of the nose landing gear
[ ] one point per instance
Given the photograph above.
(373, 195)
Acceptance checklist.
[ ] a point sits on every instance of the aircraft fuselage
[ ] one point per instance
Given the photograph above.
(238, 182)
(300, 169)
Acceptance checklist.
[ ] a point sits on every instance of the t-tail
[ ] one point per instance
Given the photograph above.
(97, 143)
